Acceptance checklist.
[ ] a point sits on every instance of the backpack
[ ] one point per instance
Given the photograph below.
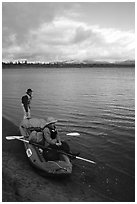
(34, 128)
(36, 137)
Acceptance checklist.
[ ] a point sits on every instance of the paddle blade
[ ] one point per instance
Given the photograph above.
(14, 137)
(73, 134)
(21, 138)
(87, 160)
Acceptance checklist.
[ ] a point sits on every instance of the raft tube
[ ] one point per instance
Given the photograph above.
(61, 167)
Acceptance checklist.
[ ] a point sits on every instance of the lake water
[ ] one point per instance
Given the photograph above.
(99, 103)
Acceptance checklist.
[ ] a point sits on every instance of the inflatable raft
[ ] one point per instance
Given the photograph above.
(62, 166)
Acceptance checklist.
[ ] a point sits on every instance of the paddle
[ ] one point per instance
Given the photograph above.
(19, 137)
(60, 151)
(73, 134)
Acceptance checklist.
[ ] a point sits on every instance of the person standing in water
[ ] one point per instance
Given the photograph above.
(26, 100)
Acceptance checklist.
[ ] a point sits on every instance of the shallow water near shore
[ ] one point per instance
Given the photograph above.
(99, 103)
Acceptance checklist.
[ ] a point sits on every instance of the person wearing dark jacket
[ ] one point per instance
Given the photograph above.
(51, 135)
(53, 139)
(26, 100)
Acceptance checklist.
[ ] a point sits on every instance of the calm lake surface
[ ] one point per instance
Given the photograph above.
(99, 103)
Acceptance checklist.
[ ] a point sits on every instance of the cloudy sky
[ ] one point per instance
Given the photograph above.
(59, 31)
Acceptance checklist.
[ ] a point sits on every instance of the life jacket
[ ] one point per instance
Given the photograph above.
(26, 100)
(53, 133)
(29, 99)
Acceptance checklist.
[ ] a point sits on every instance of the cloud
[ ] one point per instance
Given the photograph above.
(20, 17)
(81, 35)
(64, 38)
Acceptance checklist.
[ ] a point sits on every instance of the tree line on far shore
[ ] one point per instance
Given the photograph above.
(25, 64)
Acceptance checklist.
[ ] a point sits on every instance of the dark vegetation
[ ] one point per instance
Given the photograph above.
(25, 64)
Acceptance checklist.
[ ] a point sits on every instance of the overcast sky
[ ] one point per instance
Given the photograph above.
(68, 31)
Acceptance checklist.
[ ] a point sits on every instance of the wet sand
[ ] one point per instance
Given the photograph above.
(23, 183)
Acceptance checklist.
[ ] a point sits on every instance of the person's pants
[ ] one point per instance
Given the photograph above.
(64, 147)
(52, 154)
(27, 115)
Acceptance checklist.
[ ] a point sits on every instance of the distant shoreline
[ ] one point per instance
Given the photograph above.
(45, 66)
(69, 64)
